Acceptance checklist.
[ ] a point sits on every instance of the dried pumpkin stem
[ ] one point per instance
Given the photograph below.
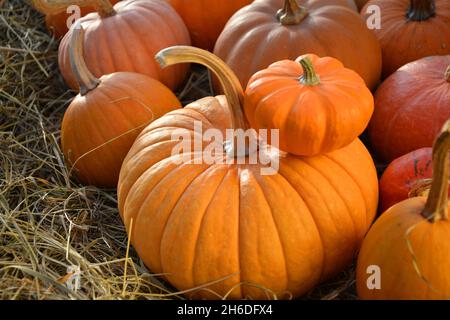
(104, 7)
(85, 79)
(230, 83)
(421, 10)
(292, 13)
(437, 203)
(447, 74)
(309, 77)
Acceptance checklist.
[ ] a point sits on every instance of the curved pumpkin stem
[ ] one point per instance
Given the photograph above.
(85, 79)
(447, 74)
(230, 83)
(104, 7)
(421, 10)
(292, 13)
(309, 77)
(437, 203)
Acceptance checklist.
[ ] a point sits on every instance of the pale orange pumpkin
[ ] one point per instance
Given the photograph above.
(102, 122)
(317, 104)
(229, 228)
(409, 246)
(125, 37)
(268, 31)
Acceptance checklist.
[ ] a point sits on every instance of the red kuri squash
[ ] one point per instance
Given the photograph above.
(410, 107)
(406, 176)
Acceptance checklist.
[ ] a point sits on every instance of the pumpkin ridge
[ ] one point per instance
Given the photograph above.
(141, 212)
(322, 242)
(349, 173)
(276, 227)
(209, 169)
(336, 189)
(196, 248)
(119, 45)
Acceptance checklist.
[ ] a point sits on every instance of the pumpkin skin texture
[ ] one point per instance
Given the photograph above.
(405, 39)
(314, 116)
(127, 41)
(102, 122)
(361, 3)
(410, 173)
(57, 22)
(410, 108)
(327, 28)
(205, 19)
(410, 242)
(200, 223)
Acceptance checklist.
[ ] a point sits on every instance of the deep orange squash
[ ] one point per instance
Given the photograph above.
(205, 19)
(272, 30)
(410, 243)
(408, 175)
(410, 107)
(228, 227)
(411, 30)
(57, 22)
(317, 104)
(102, 122)
(125, 38)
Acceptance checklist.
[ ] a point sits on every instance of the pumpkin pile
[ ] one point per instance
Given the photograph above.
(308, 72)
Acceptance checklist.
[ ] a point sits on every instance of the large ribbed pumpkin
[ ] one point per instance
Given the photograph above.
(228, 227)
(410, 107)
(205, 19)
(317, 104)
(410, 30)
(126, 37)
(272, 30)
(57, 22)
(408, 175)
(102, 122)
(409, 245)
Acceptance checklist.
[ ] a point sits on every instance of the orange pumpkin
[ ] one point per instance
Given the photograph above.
(410, 107)
(125, 38)
(317, 104)
(411, 30)
(261, 34)
(228, 227)
(409, 246)
(408, 175)
(57, 22)
(102, 122)
(205, 19)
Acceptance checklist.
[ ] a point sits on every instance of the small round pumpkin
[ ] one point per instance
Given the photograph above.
(406, 176)
(411, 30)
(205, 19)
(317, 104)
(125, 38)
(227, 227)
(409, 245)
(410, 107)
(102, 122)
(57, 22)
(273, 30)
